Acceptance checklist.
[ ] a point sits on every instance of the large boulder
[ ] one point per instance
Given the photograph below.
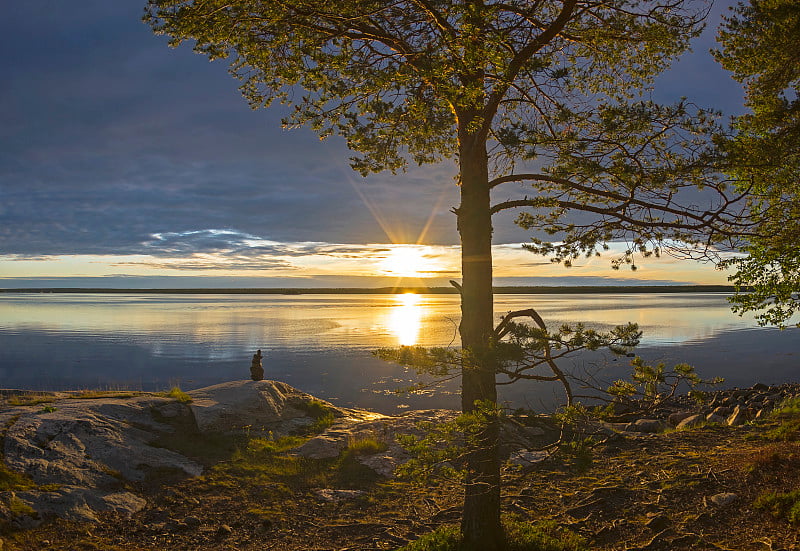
(82, 454)
(79, 453)
(260, 406)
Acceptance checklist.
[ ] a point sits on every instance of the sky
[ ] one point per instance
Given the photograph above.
(125, 163)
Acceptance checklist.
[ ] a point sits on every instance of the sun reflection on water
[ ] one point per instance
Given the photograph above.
(406, 319)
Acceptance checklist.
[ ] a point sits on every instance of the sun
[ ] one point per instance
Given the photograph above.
(407, 261)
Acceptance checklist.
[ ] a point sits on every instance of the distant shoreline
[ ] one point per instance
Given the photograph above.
(510, 290)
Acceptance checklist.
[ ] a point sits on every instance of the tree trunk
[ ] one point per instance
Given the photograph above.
(480, 525)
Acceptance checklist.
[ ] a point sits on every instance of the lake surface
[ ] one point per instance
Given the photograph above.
(322, 343)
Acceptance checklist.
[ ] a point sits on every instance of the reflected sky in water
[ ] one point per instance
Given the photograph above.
(322, 343)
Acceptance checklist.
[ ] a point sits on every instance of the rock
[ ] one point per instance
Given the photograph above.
(259, 406)
(175, 526)
(223, 531)
(534, 432)
(658, 523)
(691, 421)
(192, 522)
(327, 445)
(613, 428)
(674, 419)
(722, 411)
(384, 464)
(335, 439)
(256, 405)
(723, 499)
(760, 386)
(647, 425)
(527, 458)
(737, 418)
(775, 398)
(714, 418)
(89, 448)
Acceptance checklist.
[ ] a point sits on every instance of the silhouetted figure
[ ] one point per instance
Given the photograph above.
(256, 369)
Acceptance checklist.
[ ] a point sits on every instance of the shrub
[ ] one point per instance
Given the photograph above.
(30, 399)
(444, 538)
(781, 505)
(520, 535)
(12, 480)
(322, 414)
(179, 395)
(541, 536)
(365, 446)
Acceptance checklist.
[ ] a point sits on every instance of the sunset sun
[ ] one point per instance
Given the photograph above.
(407, 261)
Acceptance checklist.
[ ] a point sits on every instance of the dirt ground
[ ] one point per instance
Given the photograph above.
(692, 489)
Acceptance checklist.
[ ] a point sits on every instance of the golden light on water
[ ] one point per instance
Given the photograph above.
(406, 319)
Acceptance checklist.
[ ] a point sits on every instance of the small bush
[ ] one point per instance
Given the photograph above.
(92, 394)
(179, 395)
(787, 431)
(19, 508)
(268, 445)
(542, 536)
(578, 453)
(781, 505)
(788, 408)
(444, 538)
(322, 423)
(12, 480)
(315, 408)
(773, 460)
(520, 536)
(30, 400)
(322, 414)
(365, 446)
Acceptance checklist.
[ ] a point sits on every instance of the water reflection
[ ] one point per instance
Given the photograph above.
(322, 343)
(406, 319)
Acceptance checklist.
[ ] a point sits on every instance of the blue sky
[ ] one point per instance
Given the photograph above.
(124, 162)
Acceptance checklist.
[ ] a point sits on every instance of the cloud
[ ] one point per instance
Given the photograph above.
(110, 138)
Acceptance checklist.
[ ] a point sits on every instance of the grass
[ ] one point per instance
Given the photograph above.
(12, 480)
(263, 463)
(520, 536)
(788, 408)
(781, 505)
(18, 508)
(444, 538)
(92, 394)
(578, 453)
(773, 460)
(268, 466)
(179, 395)
(29, 399)
(787, 414)
(365, 446)
(206, 448)
(322, 414)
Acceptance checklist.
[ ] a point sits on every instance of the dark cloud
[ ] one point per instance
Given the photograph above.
(109, 137)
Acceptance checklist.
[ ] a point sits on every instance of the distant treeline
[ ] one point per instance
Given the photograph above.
(516, 290)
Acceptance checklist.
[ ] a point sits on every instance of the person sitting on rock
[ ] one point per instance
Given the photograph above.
(256, 369)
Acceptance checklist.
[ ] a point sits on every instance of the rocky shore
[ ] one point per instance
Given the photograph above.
(83, 456)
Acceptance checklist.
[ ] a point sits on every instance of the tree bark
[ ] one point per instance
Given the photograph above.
(480, 526)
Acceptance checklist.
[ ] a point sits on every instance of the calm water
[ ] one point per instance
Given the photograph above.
(322, 343)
